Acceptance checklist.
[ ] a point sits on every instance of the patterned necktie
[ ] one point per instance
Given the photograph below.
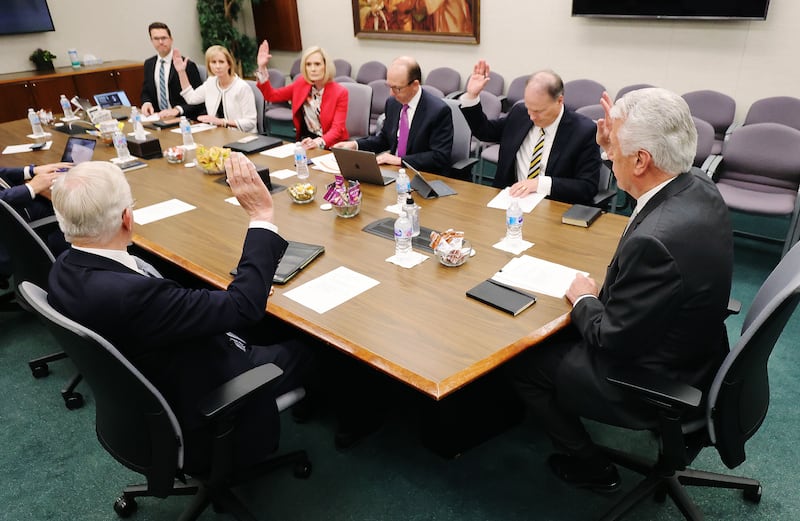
(147, 268)
(402, 136)
(535, 167)
(163, 101)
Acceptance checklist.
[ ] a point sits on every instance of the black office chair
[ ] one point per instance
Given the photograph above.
(724, 416)
(136, 425)
(31, 260)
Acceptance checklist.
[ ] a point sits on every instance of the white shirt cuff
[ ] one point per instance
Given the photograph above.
(27, 172)
(266, 225)
(30, 189)
(469, 102)
(588, 295)
(545, 185)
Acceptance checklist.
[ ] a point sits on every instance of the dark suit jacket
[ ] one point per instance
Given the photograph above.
(176, 336)
(662, 304)
(19, 197)
(150, 91)
(430, 137)
(574, 162)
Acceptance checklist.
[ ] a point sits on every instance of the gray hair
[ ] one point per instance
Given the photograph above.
(89, 200)
(658, 121)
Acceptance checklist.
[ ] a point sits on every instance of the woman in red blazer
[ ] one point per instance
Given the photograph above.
(319, 104)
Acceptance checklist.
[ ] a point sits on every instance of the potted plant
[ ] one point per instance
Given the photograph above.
(43, 59)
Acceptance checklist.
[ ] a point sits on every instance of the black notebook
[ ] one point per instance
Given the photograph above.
(580, 215)
(254, 143)
(502, 297)
(298, 255)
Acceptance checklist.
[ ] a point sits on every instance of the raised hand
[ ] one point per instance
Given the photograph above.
(604, 124)
(248, 188)
(178, 61)
(263, 56)
(478, 79)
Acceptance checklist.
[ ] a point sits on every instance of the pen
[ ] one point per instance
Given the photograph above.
(512, 288)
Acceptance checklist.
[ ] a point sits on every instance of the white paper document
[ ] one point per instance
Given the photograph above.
(16, 149)
(503, 199)
(279, 152)
(197, 127)
(159, 211)
(326, 163)
(328, 291)
(537, 275)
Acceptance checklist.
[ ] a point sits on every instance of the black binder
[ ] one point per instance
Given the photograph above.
(298, 255)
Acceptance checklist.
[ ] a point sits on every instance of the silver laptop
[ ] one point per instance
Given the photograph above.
(359, 165)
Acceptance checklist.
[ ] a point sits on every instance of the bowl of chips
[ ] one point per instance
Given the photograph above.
(302, 193)
(211, 160)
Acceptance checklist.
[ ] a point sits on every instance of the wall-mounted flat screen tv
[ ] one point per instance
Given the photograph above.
(25, 16)
(678, 9)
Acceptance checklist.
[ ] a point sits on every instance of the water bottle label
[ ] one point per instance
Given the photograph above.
(513, 220)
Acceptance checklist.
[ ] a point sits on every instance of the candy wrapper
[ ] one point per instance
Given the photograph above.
(449, 245)
(343, 193)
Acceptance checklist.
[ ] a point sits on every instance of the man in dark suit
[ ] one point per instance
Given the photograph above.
(544, 147)
(181, 339)
(664, 299)
(171, 103)
(27, 190)
(426, 118)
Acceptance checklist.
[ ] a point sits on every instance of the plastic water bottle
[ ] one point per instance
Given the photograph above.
(514, 221)
(186, 132)
(121, 145)
(138, 128)
(402, 235)
(403, 187)
(66, 107)
(36, 123)
(73, 58)
(412, 210)
(300, 161)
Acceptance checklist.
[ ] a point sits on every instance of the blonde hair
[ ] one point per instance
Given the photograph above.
(330, 67)
(214, 49)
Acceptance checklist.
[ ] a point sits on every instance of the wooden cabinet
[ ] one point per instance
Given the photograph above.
(39, 90)
(278, 22)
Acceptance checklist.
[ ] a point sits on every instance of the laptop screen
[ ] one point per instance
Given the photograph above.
(112, 99)
(78, 150)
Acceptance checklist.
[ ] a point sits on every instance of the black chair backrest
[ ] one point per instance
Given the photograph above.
(739, 396)
(134, 423)
(31, 259)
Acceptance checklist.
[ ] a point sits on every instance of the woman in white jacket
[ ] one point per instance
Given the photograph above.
(229, 100)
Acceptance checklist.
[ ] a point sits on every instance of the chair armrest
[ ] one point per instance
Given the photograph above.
(734, 307)
(44, 221)
(653, 387)
(455, 94)
(710, 166)
(733, 126)
(229, 394)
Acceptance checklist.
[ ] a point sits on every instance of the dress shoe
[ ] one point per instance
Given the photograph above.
(302, 411)
(350, 433)
(600, 476)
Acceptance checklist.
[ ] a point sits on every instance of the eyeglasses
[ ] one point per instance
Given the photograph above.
(159, 38)
(397, 90)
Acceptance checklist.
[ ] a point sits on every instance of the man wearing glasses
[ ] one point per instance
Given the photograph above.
(418, 126)
(161, 91)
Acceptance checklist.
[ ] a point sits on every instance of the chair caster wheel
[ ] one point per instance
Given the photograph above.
(124, 507)
(73, 401)
(302, 470)
(40, 371)
(752, 495)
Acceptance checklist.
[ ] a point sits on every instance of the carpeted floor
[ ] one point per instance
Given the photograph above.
(53, 468)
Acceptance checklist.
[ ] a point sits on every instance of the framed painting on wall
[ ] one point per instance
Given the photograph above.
(453, 21)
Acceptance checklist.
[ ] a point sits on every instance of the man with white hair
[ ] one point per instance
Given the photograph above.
(181, 339)
(663, 302)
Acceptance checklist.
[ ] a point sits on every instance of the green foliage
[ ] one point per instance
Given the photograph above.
(42, 56)
(216, 28)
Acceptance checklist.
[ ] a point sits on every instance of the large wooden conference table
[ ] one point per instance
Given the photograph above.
(416, 325)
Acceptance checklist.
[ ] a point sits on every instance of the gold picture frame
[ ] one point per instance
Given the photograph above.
(451, 21)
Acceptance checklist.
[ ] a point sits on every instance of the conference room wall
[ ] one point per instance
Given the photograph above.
(746, 59)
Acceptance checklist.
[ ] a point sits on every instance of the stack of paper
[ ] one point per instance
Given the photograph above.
(537, 275)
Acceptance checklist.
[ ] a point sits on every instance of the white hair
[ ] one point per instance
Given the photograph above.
(89, 200)
(658, 121)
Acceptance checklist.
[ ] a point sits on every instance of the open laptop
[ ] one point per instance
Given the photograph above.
(359, 165)
(428, 189)
(78, 150)
(113, 101)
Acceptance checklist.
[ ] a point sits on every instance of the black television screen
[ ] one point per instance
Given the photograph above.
(685, 9)
(25, 16)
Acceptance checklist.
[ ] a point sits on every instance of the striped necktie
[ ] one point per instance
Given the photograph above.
(163, 100)
(535, 167)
